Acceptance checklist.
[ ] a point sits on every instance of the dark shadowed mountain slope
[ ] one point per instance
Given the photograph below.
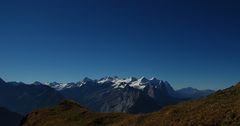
(220, 109)
(23, 98)
(8, 118)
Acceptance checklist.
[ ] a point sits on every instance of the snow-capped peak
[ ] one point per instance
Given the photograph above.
(107, 79)
(115, 82)
(153, 79)
(56, 85)
(140, 83)
(143, 80)
(131, 79)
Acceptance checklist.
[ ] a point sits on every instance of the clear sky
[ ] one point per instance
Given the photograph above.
(186, 42)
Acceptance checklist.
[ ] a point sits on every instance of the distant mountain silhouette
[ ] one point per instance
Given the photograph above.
(193, 93)
(8, 118)
(219, 109)
(23, 98)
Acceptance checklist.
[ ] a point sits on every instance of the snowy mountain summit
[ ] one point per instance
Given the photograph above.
(114, 82)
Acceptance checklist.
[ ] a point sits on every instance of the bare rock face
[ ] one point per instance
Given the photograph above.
(102, 98)
(129, 95)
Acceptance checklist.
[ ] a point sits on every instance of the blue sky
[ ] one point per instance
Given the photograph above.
(188, 43)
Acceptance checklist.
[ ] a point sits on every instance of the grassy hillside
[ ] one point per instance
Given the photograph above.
(219, 109)
(69, 113)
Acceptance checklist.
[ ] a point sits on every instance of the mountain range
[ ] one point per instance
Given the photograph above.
(219, 109)
(131, 95)
(108, 94)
